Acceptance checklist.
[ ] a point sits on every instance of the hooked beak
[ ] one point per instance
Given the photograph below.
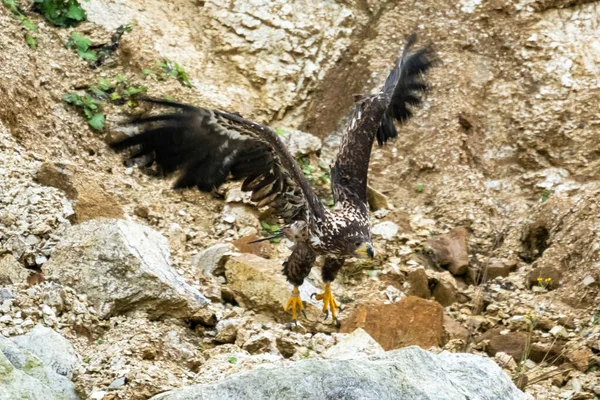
(365, 250)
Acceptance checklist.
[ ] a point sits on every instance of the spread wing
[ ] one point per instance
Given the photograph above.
(374, 117)
(207, 146)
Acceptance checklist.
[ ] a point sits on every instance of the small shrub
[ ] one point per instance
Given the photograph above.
(63, 13)
(172, 69)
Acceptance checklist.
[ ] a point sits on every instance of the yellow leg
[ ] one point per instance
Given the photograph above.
(329, 303)
(295, 302)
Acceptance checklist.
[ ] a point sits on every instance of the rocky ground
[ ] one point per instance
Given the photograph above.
(486, 218)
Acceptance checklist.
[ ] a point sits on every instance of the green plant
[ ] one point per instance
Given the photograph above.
(63, 13)
(81, 44)
(419, 188)
(173, 69)
(27, 24)
(271, 230)
(232, 360)
(91, 101)
(546, 193)
(280, 132)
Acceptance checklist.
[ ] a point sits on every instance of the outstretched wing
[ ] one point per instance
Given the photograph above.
(206, 146)
(374, 117)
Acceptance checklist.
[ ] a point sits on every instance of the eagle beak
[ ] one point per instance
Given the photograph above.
(365, 250)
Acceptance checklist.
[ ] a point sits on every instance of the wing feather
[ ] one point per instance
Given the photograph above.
(207, 146)
(374, 116)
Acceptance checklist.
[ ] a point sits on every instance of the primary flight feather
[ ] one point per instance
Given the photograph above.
(207, 147)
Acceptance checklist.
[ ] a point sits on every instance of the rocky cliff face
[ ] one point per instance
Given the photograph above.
(486, 215)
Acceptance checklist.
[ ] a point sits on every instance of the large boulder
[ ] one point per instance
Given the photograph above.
(122, 266)
(410, 373)
(23, 375)
(51, 348)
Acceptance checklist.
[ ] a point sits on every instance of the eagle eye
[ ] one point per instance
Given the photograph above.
(357, 244)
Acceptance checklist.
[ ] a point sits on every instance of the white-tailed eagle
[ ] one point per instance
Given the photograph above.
(206, 147)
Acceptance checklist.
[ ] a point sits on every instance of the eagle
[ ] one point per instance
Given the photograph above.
(206, 147)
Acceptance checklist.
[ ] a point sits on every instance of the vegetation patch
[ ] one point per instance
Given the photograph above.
(170, 69)
(27, 24)
(96, 55)
(91, 100)
(63, 13)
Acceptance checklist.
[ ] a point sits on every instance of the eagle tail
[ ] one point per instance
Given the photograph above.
(403, 87)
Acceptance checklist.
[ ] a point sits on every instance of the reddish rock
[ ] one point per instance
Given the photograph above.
(450, 250)
(418, 284)
(445, 290)
(580, 358)
(261, 249)
(411, 321)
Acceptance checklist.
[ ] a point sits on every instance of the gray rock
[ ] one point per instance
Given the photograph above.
(122, 266)
(300, 143)
(408, 373)
(212, 259)
(24, 376)
(51, 348)
(386, 230)
(358, 343)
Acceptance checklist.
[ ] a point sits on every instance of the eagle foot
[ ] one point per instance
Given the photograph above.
(295, 303)
(329, 303)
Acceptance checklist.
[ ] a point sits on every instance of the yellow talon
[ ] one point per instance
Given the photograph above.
(295, 302)
(329, 303)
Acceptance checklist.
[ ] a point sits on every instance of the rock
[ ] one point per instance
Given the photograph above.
(358, 343)
(205, 317)
(262, 249)
(411, 321)
(241, 215)
(211, 260)
(500, 268)
(417, 284)
(409, 373)
(376, 200)
(51, 348)
(300, 143)
(559, 331)
(259, 343)
(454, 330)
(11, 271)
(450, 250)
(286, 346)
(515, 343)
(91, 201)
(547, 276)
(24, 376)
(122, 266)
(580, 357)
(445, 290)
(387, 230)
(258, 284)
(227, 330)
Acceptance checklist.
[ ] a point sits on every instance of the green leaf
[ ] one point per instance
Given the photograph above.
(419, 188)
(29, 25)
(232, 360)
(79, 41)
(97, 121)
(75, 12)
(147, 71)
(130, 91)
(88, 55)
(115, 96)
(71, 98)
(120, 78)
(280, 132)
(104, 84)
(31, 42)
(98, 92)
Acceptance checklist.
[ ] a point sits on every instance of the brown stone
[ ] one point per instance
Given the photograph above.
(418, 284)
(454, 330)
(411, 321)
(261, 249)
(445, 290)
(500, 268)
(91, 201)
(450, 250)
(376, 200)
(550, 277)
(580, 358)
(515, 343)
(205, 317)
